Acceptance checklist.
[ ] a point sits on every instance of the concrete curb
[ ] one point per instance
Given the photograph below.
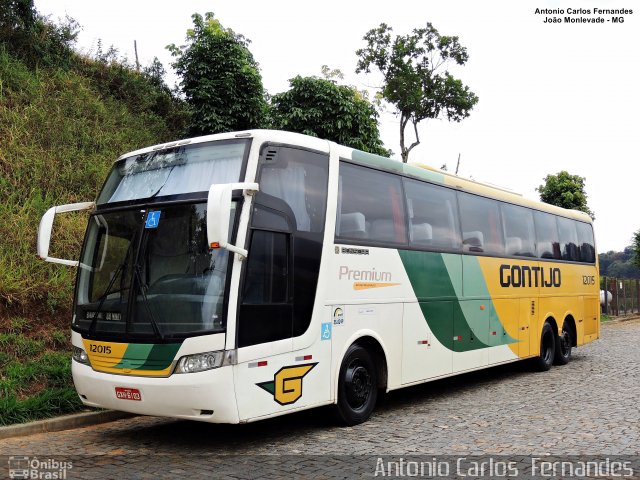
(66, 422)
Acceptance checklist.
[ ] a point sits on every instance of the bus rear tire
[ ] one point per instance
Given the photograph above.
(547, 348)
(357, 386)
(563, 346)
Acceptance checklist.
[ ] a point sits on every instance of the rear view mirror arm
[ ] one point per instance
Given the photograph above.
(218, 212)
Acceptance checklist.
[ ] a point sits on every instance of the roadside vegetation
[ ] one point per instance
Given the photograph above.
(64, 118)
(35, 372)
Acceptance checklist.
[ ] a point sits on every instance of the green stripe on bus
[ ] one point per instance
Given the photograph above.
(148, 356)
(458, 324)
(134, 355)
(161, 356)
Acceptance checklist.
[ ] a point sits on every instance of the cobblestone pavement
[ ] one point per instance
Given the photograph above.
(589, 407)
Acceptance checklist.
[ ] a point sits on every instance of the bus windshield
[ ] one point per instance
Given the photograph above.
(157, 277)
(174, 171)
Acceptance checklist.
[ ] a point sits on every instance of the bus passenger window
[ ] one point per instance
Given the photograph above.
(518, 230)
(568, 239)
(433, 216)
(547, 236)
(370, 206)
(353, 225)
(586, 244)
(481, 226)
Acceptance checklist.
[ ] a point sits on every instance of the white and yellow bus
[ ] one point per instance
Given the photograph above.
(240, 276)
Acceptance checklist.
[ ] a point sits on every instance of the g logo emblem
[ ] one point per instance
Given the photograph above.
(286, 386)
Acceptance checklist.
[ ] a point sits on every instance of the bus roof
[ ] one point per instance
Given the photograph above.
(435, 175)
(420, 171)
(272, 135)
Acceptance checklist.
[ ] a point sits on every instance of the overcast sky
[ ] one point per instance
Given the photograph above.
(552, 96)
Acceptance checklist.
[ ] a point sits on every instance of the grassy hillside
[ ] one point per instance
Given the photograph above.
(60, 130)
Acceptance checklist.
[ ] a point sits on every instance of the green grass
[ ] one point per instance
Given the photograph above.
(35, 376)
(605, 318)
(61, 131)
(44, 404)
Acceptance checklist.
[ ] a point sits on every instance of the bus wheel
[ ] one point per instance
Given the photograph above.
(357, 386)
(563, 346)
(547, 348)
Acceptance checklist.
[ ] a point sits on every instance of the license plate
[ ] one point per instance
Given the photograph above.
(128, 394)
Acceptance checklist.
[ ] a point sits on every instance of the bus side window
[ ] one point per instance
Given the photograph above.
(299, 178)
(518, 230)
(586, 245)
(267, 269)
(363, 220)
(547, 236)
(568, 239)
(433, 216)
(265, 311)
(481, 225)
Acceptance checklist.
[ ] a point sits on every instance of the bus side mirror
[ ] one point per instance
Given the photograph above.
(46, 225)
(219, 211)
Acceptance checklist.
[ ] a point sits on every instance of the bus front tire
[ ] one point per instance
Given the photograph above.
(563, 346)
(357, 386)
(547, 348)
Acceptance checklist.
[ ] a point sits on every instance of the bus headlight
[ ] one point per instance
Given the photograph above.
(80, 356)
(200, 362)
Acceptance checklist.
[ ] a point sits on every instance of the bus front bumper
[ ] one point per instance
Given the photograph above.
(205, 396)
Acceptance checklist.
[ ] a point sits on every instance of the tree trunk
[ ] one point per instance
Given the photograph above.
(404, 151)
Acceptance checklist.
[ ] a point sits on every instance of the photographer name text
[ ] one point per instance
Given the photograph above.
(584, 15)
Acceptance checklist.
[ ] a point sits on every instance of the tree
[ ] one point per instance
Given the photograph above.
(635, 245)
(35, 39)
(566, 191)
(219, 78)
(322, 108)
(413, 77)
(619, 264)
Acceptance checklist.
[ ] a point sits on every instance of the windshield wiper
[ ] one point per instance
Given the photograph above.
(143, 286)
(108, 291)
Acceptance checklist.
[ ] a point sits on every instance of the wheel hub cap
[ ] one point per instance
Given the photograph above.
(358, 385)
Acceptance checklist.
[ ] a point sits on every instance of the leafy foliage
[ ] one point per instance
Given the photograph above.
(321, 108)
(413, 77)
(565, 190)
(635, 246)
(219, 78)
(619, 264)
(142, 92)
(33, 38)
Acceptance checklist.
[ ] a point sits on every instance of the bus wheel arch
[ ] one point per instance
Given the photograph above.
(571, 324)
(554, 325)
(566, 339)
(548, 336)
(362, 373)
(379, 357)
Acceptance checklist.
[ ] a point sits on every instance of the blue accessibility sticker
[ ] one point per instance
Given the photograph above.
(153, 219)
(326, 331)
